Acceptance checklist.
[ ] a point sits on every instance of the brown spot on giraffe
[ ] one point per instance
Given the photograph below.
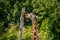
(34, 29)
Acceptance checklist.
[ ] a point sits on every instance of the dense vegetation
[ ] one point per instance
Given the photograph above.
(48, 20)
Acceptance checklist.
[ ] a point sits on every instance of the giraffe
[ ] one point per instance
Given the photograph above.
(32, 16)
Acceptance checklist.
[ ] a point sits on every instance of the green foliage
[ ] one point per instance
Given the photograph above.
(45, 30)
(1, 26)
(48, 20)
(12, 33)
(27, 33)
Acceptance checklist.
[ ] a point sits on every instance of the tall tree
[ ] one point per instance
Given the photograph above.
(21, 23)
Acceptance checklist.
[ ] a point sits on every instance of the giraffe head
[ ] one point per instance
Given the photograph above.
(31, 16)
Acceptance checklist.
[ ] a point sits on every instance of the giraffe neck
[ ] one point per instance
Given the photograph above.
(34, 29)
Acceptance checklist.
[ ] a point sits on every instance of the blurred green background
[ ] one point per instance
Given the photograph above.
(48, 20)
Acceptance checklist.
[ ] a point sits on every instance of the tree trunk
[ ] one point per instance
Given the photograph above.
(21, 24)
